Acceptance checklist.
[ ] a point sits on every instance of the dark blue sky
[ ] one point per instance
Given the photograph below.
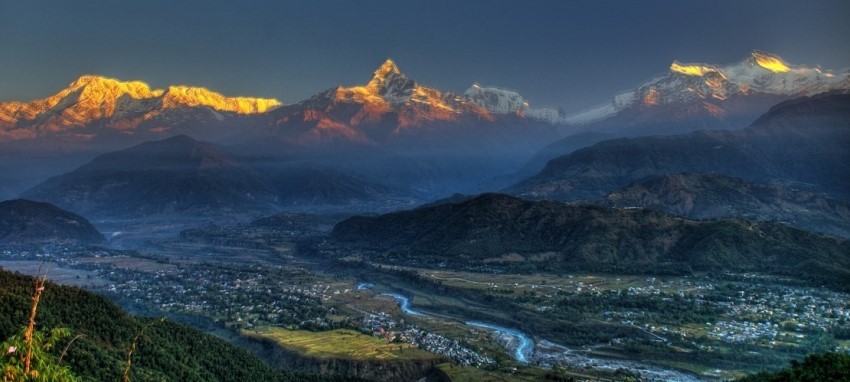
(570, 54)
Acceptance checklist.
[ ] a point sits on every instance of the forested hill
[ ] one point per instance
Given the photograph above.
(500, 230)
(25, 221)
(828, 367)
(166, 351)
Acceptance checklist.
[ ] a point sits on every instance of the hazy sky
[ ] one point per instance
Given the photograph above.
(570, 54)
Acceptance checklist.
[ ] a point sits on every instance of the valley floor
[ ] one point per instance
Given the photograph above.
(482, 326)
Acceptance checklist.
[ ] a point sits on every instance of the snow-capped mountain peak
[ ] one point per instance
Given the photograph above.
(768, 73)
(388, 87)
(93, 85)
(706, 87)
(768, 61)
(503, 101)
(182, 96)
(391, 84)
(763, 72)
(499, 101)
(387, 72)
(694, 69)
(122, 104)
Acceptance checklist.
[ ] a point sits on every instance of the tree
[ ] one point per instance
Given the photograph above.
(31, 360)
(827, 367)
(27, 356)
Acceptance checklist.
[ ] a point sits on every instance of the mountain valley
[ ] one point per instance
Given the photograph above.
(695, 228)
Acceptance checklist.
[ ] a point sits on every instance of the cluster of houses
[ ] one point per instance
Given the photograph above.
(241, 298)
(381, 324)
(740, 332)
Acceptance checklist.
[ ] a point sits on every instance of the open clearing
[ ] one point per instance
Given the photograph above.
(340, 343)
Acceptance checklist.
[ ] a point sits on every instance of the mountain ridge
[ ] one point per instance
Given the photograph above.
(759, 72)
(493, 229)
(700, 90)
(801, 143)
(123, 104)
(717, 196)
(29, 222)
(442, 141)
(178, 174)
(694, 96)
(183, 176)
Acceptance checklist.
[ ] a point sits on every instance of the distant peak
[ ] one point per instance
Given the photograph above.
(477, 88)
(93, 97)
(180, 138)
(101, 84)
(108, 90)
(180, 95)
(173, 152)
(496, 100)
(388, 67)
(386, 70)
(769, 61)
(384, 75)
(693, 69)
(87, 79)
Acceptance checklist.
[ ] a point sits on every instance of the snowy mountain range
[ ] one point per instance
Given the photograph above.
(686, 92)
(391, 107)
(392, 124)
(691, 90)
(390, 89)
(119, 106)
(132, 106)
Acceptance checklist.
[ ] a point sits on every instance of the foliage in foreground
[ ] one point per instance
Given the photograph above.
(45, 367)
(27, 355)
(164, 352)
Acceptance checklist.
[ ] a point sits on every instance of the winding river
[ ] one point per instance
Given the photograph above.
(525, 350)
(404, 303)
(522, 351)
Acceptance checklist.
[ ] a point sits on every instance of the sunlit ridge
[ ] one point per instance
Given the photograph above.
(197, 96)
(97, 97)
(770, 62)
(692, 70)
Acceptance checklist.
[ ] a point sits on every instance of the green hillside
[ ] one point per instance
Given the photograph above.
(166, 351)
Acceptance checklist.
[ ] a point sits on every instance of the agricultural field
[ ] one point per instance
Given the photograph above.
(717, 327)
(57, 273)
(340, 343)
